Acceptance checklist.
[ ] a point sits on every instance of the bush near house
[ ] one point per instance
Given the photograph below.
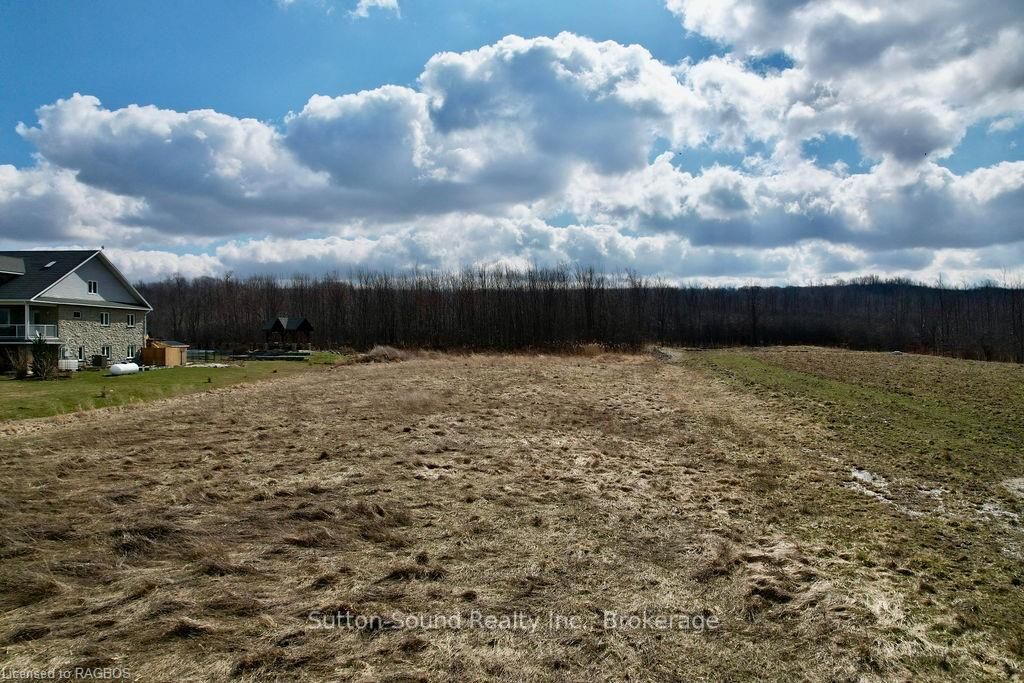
(44, 359)
(19, 362)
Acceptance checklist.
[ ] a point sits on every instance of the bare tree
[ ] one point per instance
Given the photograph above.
(504, 309)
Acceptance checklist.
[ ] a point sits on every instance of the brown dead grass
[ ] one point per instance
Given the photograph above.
(190, 539)
(383, 354)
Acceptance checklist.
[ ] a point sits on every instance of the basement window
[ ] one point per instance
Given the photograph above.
(105, 352)
(94, 287)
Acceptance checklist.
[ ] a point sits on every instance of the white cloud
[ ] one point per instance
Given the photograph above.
(198, 172)
(905, 78)
(362, 10)
(472, 164)
(1005, 124)
(493, 127)
(149, 264)
(888, 207)
(46, 204)
(668, 258)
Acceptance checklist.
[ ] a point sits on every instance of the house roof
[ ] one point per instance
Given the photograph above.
(11, 265)
(37, 277)
(41, 270)
(286, 324)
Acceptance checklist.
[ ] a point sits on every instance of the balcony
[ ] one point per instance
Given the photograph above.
(28, 332)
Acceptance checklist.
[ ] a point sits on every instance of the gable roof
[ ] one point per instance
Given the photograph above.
(281, 324)
(36, 276)
(44, 269)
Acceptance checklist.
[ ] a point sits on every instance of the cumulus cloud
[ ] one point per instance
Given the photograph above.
(150, 264)
(487, 129)
(511, 242)
(905, 78)
(561, 99)
(493, 127)
(47, 203)
(888, 207)
(196, 172)
(668, 258)
(473, 163)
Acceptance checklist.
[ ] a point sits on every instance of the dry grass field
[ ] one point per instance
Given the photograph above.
(839, 515)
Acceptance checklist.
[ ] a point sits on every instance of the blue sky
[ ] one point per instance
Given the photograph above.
(730, 141)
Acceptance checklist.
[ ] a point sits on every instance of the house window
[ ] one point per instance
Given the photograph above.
(81, 353)
(131, 320)
(105, 319)
(131, 351)
(77, 315)
(63, 353)
(5, 316)
(105, 352)
(94, 287)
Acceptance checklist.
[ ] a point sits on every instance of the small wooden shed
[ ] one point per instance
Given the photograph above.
(282, 332)
(165, 352)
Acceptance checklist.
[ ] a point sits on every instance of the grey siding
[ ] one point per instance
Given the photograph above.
(75, 286)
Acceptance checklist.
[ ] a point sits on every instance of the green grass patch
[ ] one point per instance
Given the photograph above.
(90, 389)
(328, 358)
(929, 432)
(945, 434)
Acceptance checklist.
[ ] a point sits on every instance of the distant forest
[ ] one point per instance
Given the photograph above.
(556, 308)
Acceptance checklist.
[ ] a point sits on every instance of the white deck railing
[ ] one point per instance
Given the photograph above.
(28, 331)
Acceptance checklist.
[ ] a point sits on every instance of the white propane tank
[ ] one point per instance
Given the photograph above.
(118, 369)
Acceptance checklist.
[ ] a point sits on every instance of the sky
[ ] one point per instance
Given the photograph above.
(717, 141)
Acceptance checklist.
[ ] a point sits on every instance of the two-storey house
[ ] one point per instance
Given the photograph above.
(76, 299)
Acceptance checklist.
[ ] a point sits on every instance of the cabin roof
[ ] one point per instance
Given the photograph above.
(286, 324)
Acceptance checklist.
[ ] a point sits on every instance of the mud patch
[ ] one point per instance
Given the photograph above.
(993, 509)
(877, 487)
(1016, 486)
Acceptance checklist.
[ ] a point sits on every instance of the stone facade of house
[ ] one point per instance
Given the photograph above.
(83, 327)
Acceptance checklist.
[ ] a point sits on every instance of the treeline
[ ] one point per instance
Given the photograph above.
(505, 309)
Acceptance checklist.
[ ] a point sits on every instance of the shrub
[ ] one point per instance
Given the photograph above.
(590, 350)
(44, 359)
(18, 359)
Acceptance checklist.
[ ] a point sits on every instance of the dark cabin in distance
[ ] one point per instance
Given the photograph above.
(288, 333)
